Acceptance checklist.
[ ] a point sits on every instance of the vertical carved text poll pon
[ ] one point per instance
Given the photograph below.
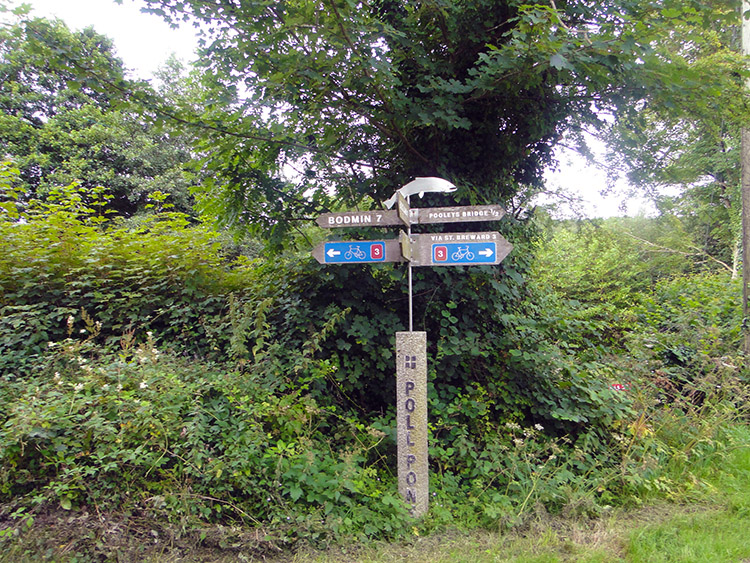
(411, 416)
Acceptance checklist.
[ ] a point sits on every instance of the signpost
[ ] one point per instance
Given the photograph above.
(405, 216)
(469, 214)
(459, 249)
(482, 248)
(411, 419)
(385, 218)
(404, 213)
(358, 251)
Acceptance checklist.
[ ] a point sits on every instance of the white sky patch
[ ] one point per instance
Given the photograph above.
(143, 41)
(576, 189)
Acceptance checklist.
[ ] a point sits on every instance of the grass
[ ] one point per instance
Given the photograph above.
(711, 526)
(718, 534)
(714, 535)
(673, 533)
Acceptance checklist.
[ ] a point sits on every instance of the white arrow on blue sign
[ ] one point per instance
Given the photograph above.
(459, 249)
(464, 253)
(358, 251)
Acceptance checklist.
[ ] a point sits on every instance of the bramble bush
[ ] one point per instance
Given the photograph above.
(188, 442)
(689, 380)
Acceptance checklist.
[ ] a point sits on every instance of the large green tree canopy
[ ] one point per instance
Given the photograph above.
(685, 141)
(60, 125)
(358, 97)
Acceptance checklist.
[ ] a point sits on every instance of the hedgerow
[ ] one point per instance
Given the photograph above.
(145, 369)
(62, 259)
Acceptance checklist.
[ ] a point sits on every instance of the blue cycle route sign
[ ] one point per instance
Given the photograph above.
(359, 251)
(459, 249)
(464, 253)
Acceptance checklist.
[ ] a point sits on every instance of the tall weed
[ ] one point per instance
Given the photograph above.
(143, 431)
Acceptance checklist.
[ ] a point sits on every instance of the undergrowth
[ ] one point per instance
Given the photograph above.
(147, 374)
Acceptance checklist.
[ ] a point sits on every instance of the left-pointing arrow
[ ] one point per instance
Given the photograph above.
(357, 251)
(486, 252)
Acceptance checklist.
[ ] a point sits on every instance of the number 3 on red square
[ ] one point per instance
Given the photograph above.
(440, 253)
(377, 251)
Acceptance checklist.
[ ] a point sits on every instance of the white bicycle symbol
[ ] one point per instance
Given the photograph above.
(462, 252)
(355, 252)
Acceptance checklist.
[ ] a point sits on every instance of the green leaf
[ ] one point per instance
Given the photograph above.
(559, 62)
(295, 492)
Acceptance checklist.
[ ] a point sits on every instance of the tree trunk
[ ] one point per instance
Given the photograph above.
(745, 186)
(745, 239)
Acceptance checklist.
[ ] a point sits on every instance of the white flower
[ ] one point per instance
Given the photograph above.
(143, 385)
(539, 427)
(78, 387)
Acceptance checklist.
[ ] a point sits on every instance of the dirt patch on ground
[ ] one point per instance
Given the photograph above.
(61, 536)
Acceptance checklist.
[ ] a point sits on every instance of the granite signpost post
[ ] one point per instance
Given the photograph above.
(416, 249)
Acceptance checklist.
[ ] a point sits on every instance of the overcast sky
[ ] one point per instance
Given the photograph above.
(144, 42)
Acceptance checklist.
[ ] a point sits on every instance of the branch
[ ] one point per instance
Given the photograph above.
(666, 249)
(378, 90)
(143, 100)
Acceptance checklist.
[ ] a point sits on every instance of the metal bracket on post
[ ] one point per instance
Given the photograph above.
(404, 214)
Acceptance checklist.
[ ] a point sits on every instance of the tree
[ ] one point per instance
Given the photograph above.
(59, 127)
(313, 104)
(358, 97)
(685, 141)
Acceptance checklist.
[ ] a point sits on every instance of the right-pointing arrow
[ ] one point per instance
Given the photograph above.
(486, 252)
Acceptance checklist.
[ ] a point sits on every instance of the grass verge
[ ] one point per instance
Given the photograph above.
(711, 525)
